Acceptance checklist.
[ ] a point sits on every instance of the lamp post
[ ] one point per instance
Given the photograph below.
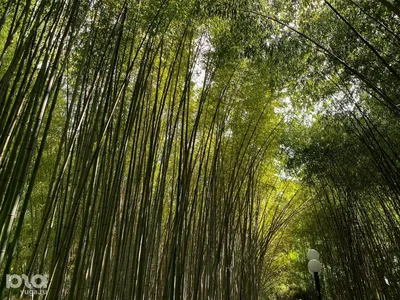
(314, 266)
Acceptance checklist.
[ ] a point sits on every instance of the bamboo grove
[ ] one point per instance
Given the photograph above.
(162, 149)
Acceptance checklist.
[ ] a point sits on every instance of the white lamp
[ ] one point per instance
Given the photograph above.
(312, 254)
(314, 266)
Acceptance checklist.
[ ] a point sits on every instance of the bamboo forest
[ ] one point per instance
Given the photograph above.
(200, 149)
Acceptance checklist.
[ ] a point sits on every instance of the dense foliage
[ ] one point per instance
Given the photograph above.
(166, 149)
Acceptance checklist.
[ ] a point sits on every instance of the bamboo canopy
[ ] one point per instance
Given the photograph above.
(165, 149)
